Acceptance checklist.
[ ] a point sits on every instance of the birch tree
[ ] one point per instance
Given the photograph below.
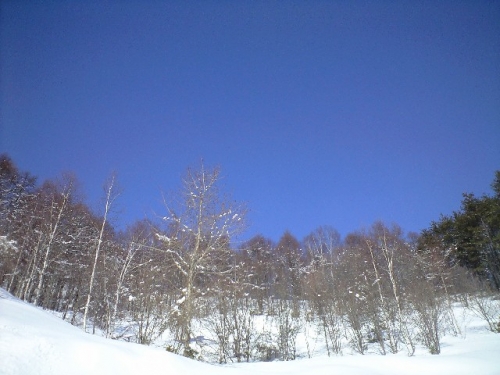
(138, 239)
(60, 201)
(391, 246)
(110, 196)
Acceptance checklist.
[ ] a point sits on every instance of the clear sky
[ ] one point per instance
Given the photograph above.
(318, 112)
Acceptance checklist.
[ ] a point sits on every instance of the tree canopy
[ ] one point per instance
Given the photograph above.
(470, 237)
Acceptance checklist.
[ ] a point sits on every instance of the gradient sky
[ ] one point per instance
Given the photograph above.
(318, 112)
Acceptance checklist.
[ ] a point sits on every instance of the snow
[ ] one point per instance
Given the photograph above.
(33, 341)
(181, 300)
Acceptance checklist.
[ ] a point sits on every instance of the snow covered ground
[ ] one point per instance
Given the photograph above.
(33, 341)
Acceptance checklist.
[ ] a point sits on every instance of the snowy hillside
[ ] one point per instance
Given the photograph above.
(33, 341)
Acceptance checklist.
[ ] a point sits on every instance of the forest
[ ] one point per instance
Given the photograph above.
(184, 283)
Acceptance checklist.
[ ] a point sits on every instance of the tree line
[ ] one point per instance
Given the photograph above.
(182, 277)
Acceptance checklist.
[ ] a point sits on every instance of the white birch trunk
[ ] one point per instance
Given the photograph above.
(389, 258)
(107, 206)
(52, 236)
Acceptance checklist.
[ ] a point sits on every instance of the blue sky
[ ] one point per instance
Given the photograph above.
(318, 112)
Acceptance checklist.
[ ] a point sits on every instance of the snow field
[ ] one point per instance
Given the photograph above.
(33, 341)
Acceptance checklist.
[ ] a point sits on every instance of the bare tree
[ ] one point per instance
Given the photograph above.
(289, 267)
(110, 196)
(387, 317)
(391, 247)
(16, 194)
(321, 244)
(198, 241)
(256, 257)
(60, 202)
(138, 239)
(485, 303)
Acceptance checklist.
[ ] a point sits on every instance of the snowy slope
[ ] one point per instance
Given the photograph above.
(33, 341)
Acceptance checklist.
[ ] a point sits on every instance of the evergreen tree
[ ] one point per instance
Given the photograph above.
(470, 237)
